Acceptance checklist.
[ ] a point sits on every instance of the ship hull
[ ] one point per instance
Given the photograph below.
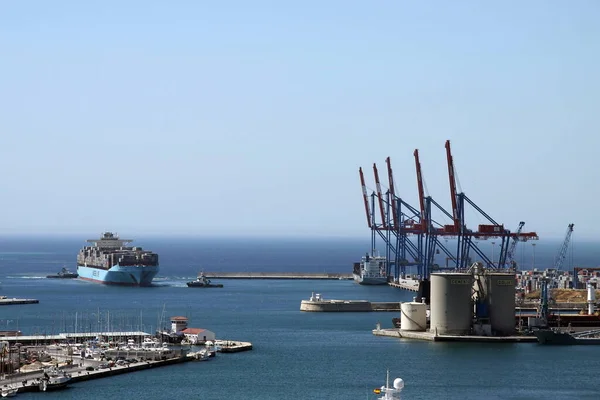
(551, 337)
(119, 275)
(367, 280)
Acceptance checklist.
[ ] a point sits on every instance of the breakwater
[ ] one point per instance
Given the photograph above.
(277, 275)
(347, 306)
(5, 301)
(434, 337)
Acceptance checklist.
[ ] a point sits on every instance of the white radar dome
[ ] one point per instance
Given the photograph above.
(398, 383)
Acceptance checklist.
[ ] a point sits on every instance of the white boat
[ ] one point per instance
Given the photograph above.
(390, 392)
(201, 355)
(8, 391)
(53, 379)
(210, 348)
(371, 270)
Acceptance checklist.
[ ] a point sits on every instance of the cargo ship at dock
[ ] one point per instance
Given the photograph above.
(110, 261)
(371, 270)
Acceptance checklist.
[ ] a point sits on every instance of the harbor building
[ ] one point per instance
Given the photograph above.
(179, 325)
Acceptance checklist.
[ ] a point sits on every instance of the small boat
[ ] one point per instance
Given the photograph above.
(9, 391)
(203, 281)
(202, 355)
(558, 337)
(53, 379)
(64, 274)
(390, 392)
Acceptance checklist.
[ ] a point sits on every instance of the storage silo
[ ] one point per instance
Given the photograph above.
(413, 316)
(501, 301)
(451, 304)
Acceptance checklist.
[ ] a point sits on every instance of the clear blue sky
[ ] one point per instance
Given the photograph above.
(252, 117)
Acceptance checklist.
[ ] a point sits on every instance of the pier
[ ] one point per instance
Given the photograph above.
(433, 337)
(278, 275)
(406, 284)
(316, 303)
(5, 301)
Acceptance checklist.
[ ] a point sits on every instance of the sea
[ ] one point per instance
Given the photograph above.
(295, 355)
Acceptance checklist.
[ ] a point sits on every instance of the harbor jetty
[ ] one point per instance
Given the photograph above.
(435, 337)
(316, 303)
(5, 301)
(278, 275)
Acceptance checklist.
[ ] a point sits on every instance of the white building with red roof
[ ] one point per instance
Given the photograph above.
(198, 335)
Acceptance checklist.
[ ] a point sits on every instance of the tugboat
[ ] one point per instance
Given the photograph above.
(64, 274)
(203, 281)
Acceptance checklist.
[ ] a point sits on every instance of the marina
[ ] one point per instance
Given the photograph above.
(78, 368)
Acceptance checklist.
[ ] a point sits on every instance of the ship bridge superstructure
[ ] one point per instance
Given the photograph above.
(109, 241)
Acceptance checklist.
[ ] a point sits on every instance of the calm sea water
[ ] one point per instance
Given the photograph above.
(296, 355)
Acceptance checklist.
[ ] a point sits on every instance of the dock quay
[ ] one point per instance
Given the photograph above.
(433, 337)
(316, 303)
(73, 337)
(5, 301)
(406, 284)
(278, 275)
(229, 346)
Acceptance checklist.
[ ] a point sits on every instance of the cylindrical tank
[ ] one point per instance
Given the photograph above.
(451, 303)
(413, 316)
(591, 298)
(500, 297)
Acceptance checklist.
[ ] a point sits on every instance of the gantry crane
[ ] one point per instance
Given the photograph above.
(562, 253)
(513, 245)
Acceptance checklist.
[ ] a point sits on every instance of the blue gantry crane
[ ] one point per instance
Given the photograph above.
(510, 255)
(562, 253)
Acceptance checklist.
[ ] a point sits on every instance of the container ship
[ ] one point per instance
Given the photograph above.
(110, 261)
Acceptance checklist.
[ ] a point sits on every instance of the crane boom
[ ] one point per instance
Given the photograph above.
(452, 179)
(424, 223)
(380, 196)
(365, 196)
(513, 244)
(392, 192)
(560, 258)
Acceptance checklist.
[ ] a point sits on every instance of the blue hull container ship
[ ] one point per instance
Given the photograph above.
(110, 261)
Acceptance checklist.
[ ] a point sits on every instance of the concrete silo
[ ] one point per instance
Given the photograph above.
(500, 298)
(451, 304)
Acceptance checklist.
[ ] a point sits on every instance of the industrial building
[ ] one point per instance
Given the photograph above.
(475, 302)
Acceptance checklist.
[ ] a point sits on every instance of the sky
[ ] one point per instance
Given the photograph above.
(252, 118)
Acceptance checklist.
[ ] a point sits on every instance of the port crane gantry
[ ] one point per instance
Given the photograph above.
(562, 253)
(413, 239)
